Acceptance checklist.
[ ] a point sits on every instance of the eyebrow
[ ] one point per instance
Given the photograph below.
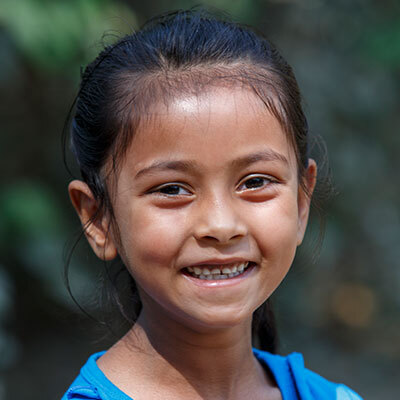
(191, 166)
(183, 166)
(264, 155)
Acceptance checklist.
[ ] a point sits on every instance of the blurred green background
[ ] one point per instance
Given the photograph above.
(342, 311)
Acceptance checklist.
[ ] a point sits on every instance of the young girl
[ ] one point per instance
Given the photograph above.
(192, 145)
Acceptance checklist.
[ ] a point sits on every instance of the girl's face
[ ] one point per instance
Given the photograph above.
(210, 188)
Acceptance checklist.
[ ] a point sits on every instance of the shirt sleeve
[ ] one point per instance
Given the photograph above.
(81, 393)
(345, 393)
(320, 388)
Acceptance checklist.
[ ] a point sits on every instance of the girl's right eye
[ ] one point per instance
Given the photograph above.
(171, 190)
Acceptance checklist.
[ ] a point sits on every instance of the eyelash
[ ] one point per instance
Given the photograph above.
(269, 180)
(158, 190)
(178, 186)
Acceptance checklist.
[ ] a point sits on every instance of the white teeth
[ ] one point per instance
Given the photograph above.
(218, 273)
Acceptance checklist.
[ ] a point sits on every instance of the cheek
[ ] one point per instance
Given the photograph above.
(152, 237)
(277, 221)
(276, 229)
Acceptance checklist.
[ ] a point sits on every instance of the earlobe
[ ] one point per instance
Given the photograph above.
(304, 198)
(95, 225)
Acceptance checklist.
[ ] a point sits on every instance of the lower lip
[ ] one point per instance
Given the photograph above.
(221, 282)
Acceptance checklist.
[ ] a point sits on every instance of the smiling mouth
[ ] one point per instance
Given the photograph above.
(215, 272)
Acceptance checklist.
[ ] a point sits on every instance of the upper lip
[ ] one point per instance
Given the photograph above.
(216, 261)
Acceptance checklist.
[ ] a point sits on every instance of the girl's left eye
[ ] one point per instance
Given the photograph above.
(255, 182)
(172, 190)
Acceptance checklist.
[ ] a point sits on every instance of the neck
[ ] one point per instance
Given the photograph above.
(216, 364)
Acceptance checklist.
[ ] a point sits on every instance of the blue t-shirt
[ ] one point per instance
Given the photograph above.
(294, 381)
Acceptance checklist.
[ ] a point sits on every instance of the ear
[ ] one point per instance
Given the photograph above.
(95, 225)
(304, 199)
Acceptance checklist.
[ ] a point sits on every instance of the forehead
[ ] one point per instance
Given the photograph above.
(203, 126)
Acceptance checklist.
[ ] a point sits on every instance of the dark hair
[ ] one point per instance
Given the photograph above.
(184, 51)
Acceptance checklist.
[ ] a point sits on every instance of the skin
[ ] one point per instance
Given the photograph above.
(236, 196)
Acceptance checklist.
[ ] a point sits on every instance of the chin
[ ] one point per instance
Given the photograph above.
(226, 318)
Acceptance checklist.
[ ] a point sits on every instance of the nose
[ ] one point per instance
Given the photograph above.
(220, 222)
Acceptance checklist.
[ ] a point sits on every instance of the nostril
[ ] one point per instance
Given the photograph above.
(219, 230)
(210, 238)
(221, 239)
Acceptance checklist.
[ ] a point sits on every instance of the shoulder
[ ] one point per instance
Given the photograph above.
(92, 384)
(317, 385)
(290, 372)
(81, 389)
(81, 392)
